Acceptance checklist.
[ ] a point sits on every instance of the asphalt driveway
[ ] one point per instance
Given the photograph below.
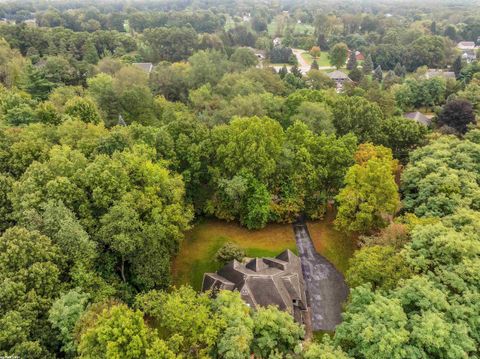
(326, 288)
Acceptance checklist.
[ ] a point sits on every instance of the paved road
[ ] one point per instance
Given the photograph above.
(302, 64)
(325, 285)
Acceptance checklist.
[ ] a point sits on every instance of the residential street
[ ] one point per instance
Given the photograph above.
(302, 64)
(326, 288)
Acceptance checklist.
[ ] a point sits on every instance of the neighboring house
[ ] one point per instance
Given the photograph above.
(468, 50)
(432, 73)
(277, 41)
(419, 117)
(145, 66)
(260, 54)
(265, 281)
(340, 78)
(30, 22)
(358, 55)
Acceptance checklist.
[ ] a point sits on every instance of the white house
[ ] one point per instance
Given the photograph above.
(468, 50)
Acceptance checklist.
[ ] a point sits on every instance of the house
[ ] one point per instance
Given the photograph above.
(340, 78)
(432, 73)
(265, 281)
(30, 22)
(260, 54)
(358, 55)
(145, 66)
(277, 41)
(468, 50)
(419, 117)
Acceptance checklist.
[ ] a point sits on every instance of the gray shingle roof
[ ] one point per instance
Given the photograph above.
(338, 75)
(419, 117)
(431, 73)
(264, 281)
(145, 66)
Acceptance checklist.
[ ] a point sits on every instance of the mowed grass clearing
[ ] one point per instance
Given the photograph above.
(336, 246)
(202, 242)
(321, 61)
(298, 29)
(206, 237)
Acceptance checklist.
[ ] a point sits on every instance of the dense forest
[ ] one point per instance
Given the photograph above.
(122, 124)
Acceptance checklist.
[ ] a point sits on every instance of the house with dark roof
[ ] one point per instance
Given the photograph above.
(419, 117)
(265, 281)
(340, 78)
(145, 66)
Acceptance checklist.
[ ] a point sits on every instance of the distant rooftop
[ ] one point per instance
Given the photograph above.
(338, 75)
(419, 117)
(145, 66)
(466, 45)
(431, 73)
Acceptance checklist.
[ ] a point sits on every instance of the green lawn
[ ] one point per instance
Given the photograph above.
(304, 29)
(336, 246)
(322, 60)
(201, 243)
(298, 29)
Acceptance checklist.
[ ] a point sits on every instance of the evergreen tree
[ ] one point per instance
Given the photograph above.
(457, 66)
(433, 28)
(368, 65)
(283, 71)
(378, 74)
(322, 42)
(352, 61)
(314, 65)
(296, 71)
(35, 83)
(400, 70)
(90, 53)
(356, 75)
(390, 79)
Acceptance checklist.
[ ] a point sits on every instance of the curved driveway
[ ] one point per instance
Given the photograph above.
(326, 288)
(302, 64)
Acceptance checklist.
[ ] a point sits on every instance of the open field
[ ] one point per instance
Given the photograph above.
(201, 243)
(303, 29)
(298, 29)
(322, 60)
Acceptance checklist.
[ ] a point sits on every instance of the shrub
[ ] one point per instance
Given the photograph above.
(228, 252)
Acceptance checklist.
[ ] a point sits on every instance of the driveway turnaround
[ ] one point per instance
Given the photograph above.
(326, 288)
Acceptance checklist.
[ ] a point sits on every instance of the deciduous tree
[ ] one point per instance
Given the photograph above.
(338, 55)
(370, 196)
